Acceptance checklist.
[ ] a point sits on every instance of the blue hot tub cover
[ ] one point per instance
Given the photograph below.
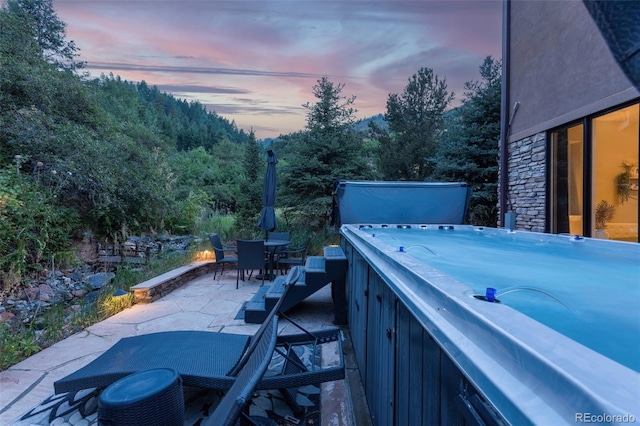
(400, 202)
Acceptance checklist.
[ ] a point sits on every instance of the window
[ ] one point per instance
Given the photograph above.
(567, 156)
(615, 173)
(608, 208)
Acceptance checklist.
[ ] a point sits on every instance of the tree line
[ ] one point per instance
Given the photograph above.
(423, 140)
(111, 157)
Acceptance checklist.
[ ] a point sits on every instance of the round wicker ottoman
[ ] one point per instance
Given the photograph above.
(151, 397)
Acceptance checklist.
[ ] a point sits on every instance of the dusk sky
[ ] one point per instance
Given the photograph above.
(255, 62)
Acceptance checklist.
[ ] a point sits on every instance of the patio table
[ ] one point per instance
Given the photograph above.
(272, 247)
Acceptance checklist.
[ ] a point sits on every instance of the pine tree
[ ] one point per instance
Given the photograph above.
(49, 32)
(470, 151)
(415, 124)
(329, 150)
(250, 196)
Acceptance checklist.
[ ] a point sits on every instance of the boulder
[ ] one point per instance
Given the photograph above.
(98, 280)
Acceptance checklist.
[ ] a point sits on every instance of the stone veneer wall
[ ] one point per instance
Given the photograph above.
(526, 194)
(157, 287)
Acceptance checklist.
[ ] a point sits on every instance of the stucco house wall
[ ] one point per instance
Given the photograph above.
(560, 70)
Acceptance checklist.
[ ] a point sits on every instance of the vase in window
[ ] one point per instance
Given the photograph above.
(604, 214)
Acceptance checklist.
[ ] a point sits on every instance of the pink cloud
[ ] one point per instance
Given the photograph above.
(275, 51)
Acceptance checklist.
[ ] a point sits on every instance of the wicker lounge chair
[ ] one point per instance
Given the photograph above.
(232, 406)
(204, 359)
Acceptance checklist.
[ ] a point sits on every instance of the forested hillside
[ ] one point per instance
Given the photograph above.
(102, 155)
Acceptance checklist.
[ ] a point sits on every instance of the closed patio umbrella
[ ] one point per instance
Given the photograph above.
(267, 221)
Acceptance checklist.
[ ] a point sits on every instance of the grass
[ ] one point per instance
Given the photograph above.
(221, 225)
(15, 347)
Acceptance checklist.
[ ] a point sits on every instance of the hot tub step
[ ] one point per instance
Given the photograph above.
(317, 272)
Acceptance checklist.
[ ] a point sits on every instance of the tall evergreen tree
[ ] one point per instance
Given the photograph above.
(470, 150)
(415, 125)
(250, 197)
(329, 150)
(21, 66)
(49, 32)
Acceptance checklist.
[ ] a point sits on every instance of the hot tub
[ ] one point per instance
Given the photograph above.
(561, 345)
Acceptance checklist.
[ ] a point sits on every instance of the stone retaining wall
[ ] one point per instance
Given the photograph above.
(157, 287)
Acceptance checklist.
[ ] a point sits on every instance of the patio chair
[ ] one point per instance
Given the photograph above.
(251, 256)
(206, 359)
(282, 236)
(293, 257)
(219, 249)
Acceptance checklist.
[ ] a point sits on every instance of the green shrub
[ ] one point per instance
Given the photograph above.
(34, 226)
(223, 225)
(16, 346)
(109, 304)
(83, 317)
(184, 214)
(52, 325)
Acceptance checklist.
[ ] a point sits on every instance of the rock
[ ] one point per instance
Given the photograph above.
(45, 292)
(91, 297)
(81, 272)
(6, 316)
(98, 280)
(129, 245)
(78, 287)
(31, 293)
